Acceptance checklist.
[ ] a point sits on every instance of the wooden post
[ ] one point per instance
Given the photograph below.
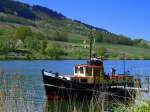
(148, 83)
(91, 38)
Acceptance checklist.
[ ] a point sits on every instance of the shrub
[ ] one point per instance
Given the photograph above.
(22, 32)
(100, 51)
(32, 43)
(61, 36)
(54, 51)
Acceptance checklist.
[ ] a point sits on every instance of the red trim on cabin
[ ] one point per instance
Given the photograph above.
(77, 76)
(117, 76)
(90, 66)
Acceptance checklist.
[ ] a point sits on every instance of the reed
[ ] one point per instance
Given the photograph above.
(14, 96)
(141, 104)
(98, 103)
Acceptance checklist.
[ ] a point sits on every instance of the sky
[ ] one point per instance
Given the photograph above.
(127, 17)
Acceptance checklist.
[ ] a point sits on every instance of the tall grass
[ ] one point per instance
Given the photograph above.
(73, 105)
(141, 102)
(101, 102)
(14, 96)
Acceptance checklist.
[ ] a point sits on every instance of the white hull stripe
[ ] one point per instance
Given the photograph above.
(49, 74)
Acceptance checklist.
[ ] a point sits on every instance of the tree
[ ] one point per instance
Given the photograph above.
(100, 51)
(43, 46)
(140, 43)
(125, 40)
(7, 43)
(136, 41)
(61, 36)
(22, 32)
(54, 51)
(32, 43)
(99, 37)
(38, 35)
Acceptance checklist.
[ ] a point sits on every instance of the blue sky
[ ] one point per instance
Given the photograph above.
(128, 17)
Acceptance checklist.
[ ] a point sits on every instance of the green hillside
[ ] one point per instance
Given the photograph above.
(35, 32)
(117, 51)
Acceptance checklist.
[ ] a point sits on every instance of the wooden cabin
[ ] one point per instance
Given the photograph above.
(92, 72)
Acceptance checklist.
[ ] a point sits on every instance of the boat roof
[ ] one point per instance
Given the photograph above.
(88, 65)
(78, 76)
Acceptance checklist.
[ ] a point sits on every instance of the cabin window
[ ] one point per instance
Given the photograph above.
(97, 71)
(81, 70)
(76, 69)
(88, 71)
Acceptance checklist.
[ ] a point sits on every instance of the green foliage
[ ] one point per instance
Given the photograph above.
(115, 51)
(78, 54)
(99, 37)
(54, 51)
(2, 31)
(61, 36)
(125, 40)
(100, 51)
(112, 38)
(43, 46)
(15, 19)
(22, 32)
(7, 43)
(140, 43)
(144, 108)
(32, 43)
(38, 35)
(123, 108)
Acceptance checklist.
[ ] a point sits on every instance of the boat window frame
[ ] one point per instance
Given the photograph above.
(91, 74)
(81, 69)
(76, 69)
(98, 73)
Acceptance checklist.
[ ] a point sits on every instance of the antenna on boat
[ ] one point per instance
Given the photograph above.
(124, 69)
(124, 64)
(91, 35)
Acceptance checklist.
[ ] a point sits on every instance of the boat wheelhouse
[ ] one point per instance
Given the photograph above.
(92, 72)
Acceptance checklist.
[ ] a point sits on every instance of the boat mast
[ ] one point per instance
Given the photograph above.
(91, 36)
(124, 64)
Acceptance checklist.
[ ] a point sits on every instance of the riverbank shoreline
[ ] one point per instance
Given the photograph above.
(15, 58)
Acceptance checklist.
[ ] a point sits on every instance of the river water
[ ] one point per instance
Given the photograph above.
(66, 66)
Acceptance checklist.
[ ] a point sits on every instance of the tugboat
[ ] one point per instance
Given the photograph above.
(88, 80)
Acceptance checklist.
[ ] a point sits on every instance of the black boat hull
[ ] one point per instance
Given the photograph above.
(60, 88)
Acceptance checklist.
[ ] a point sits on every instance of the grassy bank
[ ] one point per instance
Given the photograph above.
(143, 107)
(68, 50)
